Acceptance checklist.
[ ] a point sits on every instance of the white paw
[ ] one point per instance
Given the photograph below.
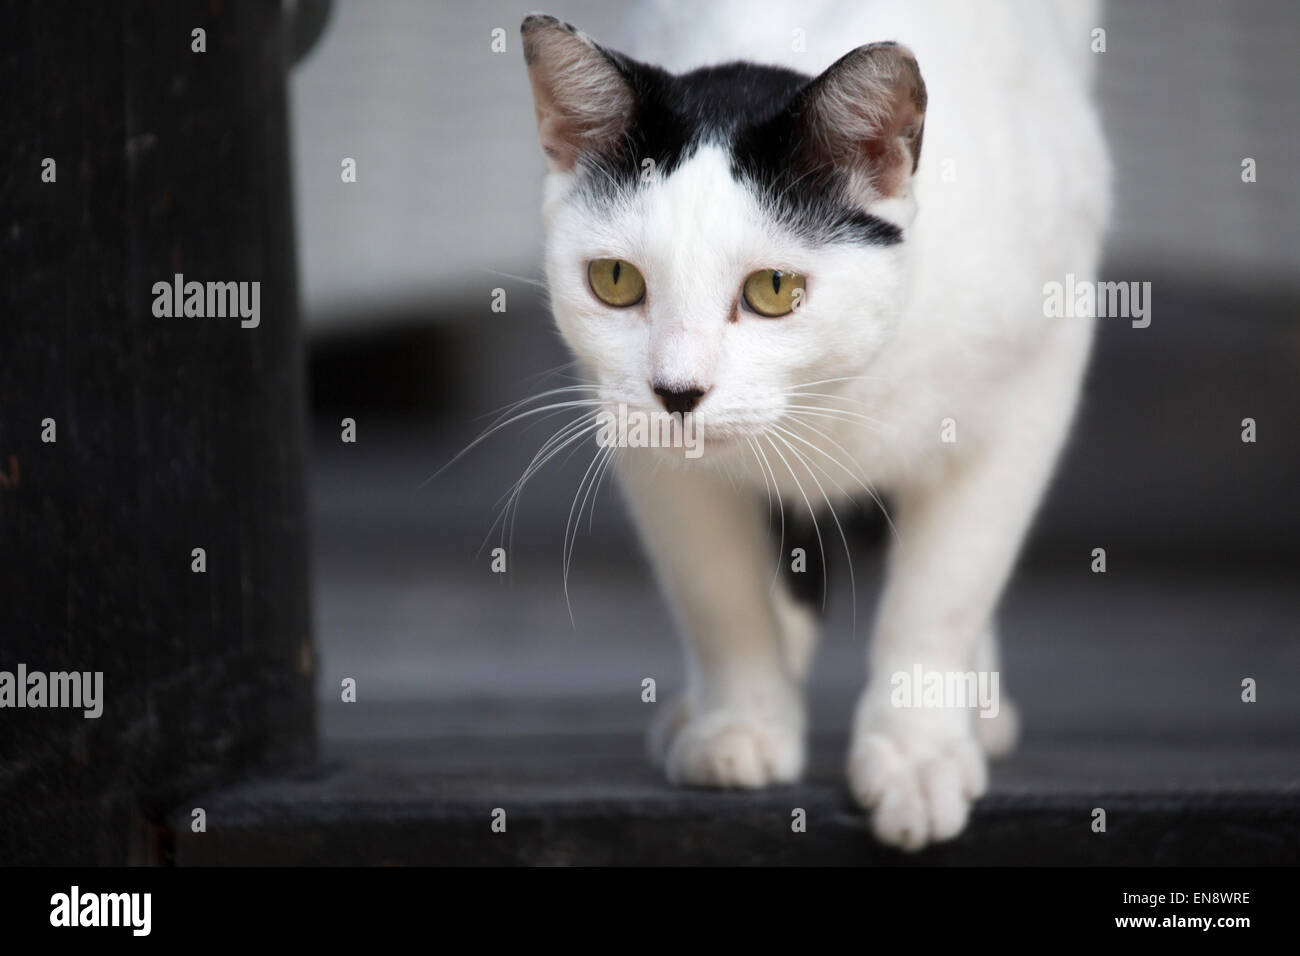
(998, 735)
(726, 748)
(919, 788)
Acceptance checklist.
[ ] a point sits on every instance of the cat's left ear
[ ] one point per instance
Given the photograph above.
(865, 115)
(582, 99)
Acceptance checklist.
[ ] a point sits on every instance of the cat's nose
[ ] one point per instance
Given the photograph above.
(678, 399)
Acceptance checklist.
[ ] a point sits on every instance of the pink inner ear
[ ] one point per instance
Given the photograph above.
(870, 113)
(894, 152)
(557, 146)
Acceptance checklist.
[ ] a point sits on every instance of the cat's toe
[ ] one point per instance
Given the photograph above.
(998, 735)
(724, 749)
(919, 791)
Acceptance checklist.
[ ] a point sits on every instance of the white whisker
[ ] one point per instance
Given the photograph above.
(848, 553)
(500, 424)
(566, 550)
(843, 413)
(608, 467)
(540, 283)
(568, 434)
(842, 378)
(811, 511)
(780, 550)
(571, 434)
(859, 476)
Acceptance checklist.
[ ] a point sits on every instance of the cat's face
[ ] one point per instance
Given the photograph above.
(718, 240)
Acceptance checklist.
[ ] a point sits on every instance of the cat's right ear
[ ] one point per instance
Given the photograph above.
(865, 115)
(582, 99)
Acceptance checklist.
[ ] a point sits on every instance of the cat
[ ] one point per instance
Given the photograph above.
(839, 273)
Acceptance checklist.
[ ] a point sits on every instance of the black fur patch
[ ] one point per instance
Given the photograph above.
(752, 111)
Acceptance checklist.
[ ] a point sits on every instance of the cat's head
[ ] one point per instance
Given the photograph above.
(718, 238)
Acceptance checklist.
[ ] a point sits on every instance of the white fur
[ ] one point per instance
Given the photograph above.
(947, 325)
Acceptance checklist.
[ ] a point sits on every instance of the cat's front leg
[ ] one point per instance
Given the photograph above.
(915, 760)
(741, 721)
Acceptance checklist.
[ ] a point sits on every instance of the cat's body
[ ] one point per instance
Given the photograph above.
(919, 363)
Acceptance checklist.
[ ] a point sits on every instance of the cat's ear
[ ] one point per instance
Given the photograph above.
(865, 115)
(582, 99)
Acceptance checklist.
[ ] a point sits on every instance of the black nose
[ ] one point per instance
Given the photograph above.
(679, 399)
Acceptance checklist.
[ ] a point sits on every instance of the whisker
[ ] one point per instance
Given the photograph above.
(811, 511)
(608, 451)
(790, 434)
(507, 409)
(540, 283)
(842, 378)
(848, 553)
(843, 413)
(766, 485)
(780, 548)
(574, 444)
(600, 478)
(566, 551)
(575, 424)
(859, 477)
(566, 435)
(577, 403)
(830, 395)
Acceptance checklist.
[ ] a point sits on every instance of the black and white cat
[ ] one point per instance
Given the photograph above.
(842, 312)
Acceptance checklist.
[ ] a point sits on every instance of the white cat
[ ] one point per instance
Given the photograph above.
(842, 279)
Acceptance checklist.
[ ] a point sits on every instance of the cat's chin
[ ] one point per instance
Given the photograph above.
(710, 445)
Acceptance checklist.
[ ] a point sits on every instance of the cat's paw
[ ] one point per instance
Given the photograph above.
(669, 718)
(998, 735)
(918, 787)
(726, 748)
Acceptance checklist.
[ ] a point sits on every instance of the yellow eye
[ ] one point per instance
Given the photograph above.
(616, 282)
(773, 293)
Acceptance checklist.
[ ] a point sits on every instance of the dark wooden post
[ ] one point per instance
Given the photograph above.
(171, 434)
